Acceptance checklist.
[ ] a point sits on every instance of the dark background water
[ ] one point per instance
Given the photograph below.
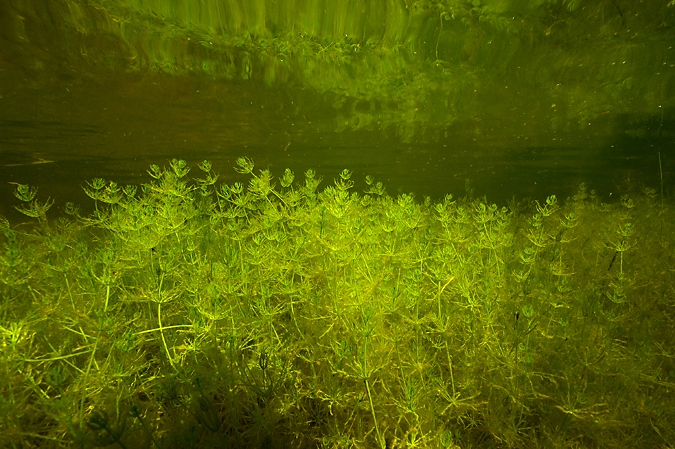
(66, 118)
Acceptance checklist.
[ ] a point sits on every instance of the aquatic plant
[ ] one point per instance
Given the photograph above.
(187, 313)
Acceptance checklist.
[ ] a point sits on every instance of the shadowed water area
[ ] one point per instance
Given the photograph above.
(76, 106)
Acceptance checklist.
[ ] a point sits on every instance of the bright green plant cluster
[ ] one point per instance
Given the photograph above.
(188, 313)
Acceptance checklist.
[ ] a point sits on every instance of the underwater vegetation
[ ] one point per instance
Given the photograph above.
(188, 313)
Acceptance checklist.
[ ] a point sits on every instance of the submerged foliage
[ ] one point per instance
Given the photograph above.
(187, 313)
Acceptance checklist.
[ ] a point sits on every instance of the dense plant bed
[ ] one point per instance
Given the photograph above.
(185, 313)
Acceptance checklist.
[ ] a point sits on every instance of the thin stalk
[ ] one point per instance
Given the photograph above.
(370, 397)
